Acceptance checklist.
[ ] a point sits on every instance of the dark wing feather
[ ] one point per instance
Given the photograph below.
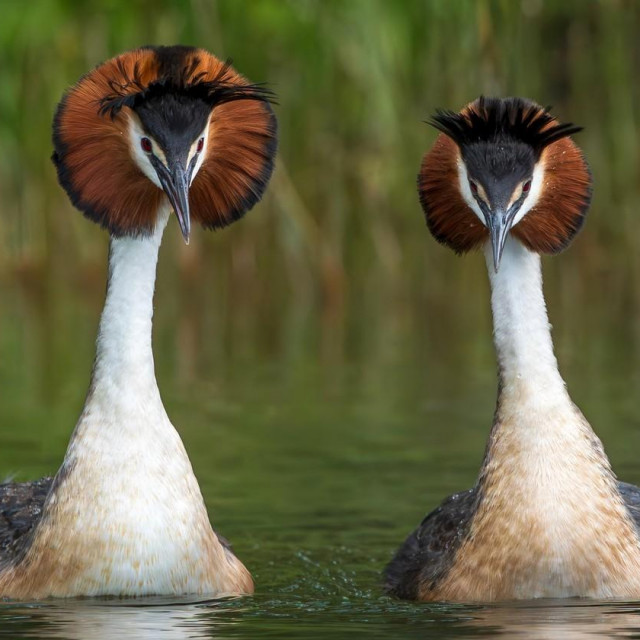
(223, 541)
(20, 510)
(427, 554)
(631, 496)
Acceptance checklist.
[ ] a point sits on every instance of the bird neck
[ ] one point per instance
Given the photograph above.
(125, 515)
(124, 356)
(521, 327)
(549, 520)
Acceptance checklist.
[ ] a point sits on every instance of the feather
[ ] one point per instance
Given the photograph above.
(92, 146)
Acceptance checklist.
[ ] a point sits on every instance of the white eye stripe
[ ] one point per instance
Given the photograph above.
(515, 196)
(481, 193)
(199, 154)
(530, 200)
(465, 190)
(533, 195)
(142, 158)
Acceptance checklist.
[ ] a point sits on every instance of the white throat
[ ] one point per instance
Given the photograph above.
(124, 364)
(521, 327)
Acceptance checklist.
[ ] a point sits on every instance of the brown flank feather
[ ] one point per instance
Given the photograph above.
(94, 161)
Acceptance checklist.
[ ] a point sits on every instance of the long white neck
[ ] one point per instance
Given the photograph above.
(125, 515)
(520, 326)
(124, 364)
(550, 521)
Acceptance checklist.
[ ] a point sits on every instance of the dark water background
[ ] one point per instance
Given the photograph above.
(329, 367)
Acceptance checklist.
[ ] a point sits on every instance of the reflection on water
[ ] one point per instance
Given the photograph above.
(574, 620)
(319, 438)
(159, 619)
(102, 620)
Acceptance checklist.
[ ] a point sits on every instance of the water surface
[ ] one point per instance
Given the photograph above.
(320, 440)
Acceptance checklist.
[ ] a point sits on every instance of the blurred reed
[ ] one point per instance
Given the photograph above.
(339, 238)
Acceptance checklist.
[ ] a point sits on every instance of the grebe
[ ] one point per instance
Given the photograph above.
(546, 517)
(151, 130)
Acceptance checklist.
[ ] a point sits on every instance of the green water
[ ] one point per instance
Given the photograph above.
(319, 440)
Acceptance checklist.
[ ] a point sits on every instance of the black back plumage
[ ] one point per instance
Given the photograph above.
(20, 510)
(428, 553)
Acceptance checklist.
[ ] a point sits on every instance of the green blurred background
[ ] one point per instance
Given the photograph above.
(331, 290)
(332, 284)
(329, 366)
(355, 79)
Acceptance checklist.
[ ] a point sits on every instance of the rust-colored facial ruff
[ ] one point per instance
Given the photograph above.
(564, 200)
(449, 218)
(564, 196)
(92, 147)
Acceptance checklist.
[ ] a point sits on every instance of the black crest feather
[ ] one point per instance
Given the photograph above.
(184, 81)
(492, 119)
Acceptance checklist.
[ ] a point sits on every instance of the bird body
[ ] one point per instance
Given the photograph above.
(124, 515)
(547, 517)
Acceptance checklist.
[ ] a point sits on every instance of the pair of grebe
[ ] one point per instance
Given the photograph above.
(173, 128)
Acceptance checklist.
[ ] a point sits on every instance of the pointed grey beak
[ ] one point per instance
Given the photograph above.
(499, 224)
(175, 183)
(498, 230)
(180, 199)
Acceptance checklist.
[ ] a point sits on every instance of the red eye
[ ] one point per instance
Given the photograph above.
(200, 145)
(473, 186)
(526, 186)
(146, 145)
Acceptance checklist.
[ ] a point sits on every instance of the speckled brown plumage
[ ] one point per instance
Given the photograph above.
(420, 565)
(20, 511)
